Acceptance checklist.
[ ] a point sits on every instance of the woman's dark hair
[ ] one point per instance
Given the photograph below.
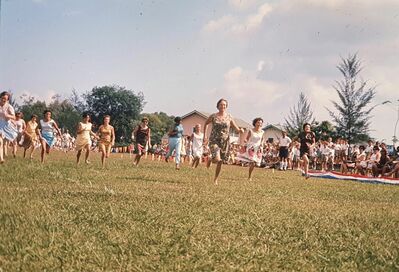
(5, 93)
(19, 114)
(46, 111)
(106, 116)
(84, 115)
(32, 116)
(256, 120)
(304, 125)
(177, 119)
(144, 119)
(362, 147)
(220, 101)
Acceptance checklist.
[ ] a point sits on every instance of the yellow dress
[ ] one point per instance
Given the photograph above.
(83, 138)
(30, 136)
(105, 136)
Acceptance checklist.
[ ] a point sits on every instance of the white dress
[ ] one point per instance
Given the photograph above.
(197, 145)
(253, 149)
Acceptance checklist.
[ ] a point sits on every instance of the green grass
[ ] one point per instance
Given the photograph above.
(152, 218)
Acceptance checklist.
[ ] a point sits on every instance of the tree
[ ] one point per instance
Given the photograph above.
(63, 111)
(160, 123)
(124, 107)
(31, 106)
(66, 115)
(324, 130)
(299, 115)
(352, 118)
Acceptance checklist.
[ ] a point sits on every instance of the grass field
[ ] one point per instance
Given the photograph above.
(152, 218)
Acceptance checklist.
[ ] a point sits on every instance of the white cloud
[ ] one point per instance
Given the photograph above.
(255, 20)
(261, 65)
(243, 4)
(236, 25)
(222, 23)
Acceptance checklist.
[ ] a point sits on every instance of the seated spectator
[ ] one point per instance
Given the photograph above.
(359, 163)
(394, 171)
(381, 166)
(374, 158)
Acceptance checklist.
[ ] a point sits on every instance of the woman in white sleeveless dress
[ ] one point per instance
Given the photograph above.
(197, 139)
(253, 148)
(8, 131)
(83, 138)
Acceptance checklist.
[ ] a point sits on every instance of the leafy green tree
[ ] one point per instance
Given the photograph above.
(159, 123)
(299, 115)
(324, 130)
(65, 114)
(31, 106)
(352, 116)
(124, 107)
(63, 111)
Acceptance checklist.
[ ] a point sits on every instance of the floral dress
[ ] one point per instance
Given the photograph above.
(219, 140)
(253, 150)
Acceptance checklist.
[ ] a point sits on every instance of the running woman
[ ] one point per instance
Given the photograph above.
(219, 139)
(107, 138)
(175, 135)
(307, 139)
(8, 131)
(30, 137)
(142, 136)
(46, 133)
(83, 138)
(197, 139)
(254, 143)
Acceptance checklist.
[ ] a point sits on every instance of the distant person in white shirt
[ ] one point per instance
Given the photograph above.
(284, 142)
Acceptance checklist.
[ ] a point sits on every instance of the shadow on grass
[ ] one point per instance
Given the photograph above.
(147, 179)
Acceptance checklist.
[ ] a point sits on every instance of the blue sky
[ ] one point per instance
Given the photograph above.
(185, 55)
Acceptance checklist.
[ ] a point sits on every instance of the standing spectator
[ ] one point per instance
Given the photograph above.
(284, 143)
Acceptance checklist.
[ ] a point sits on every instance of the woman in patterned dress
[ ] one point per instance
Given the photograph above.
(107, 138)
(46, 133)
(83, 138)
(219, 139)
(254, 143)
(8, 131)
(30, 135)
(142, 136)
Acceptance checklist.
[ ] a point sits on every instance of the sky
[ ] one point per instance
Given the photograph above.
(185, 55)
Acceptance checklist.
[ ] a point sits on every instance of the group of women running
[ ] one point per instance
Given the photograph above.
(14, 130)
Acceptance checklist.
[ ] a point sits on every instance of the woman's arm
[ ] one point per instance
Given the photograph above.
(149, 137)
(248, 136)
(234, 125)
(207, 122)
(57, 129)
(112, 136)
